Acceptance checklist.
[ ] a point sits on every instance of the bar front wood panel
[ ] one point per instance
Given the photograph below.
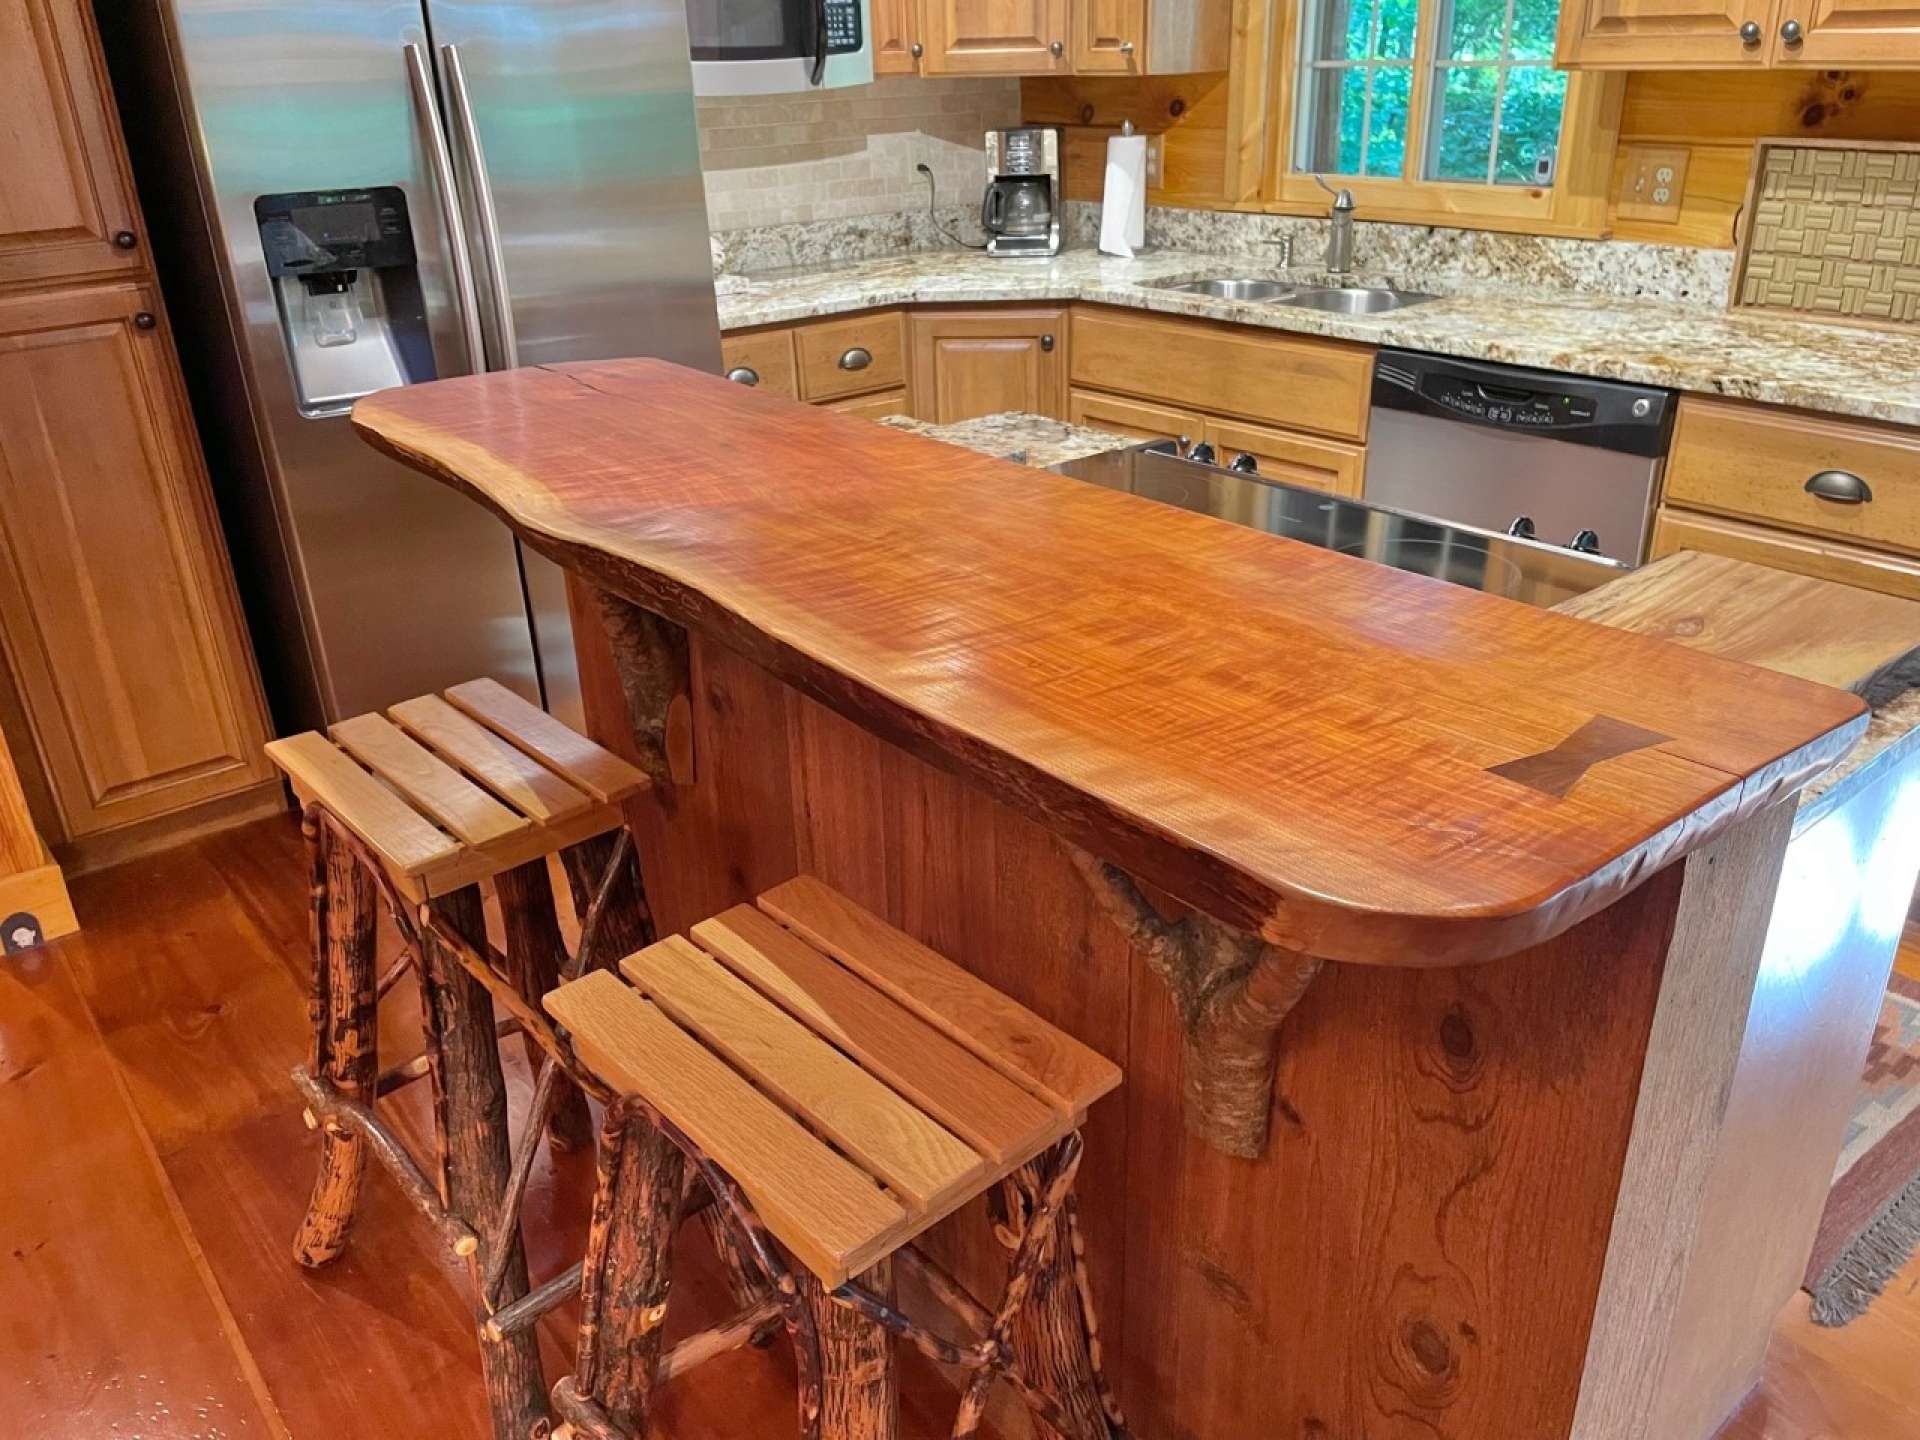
(1425, 1237)
(117, 613)
(1302, 384)
(66, 200)
(1060, 645)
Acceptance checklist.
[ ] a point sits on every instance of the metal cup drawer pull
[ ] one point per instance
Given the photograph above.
(858, 358)
(744, 375)
(1842, 486)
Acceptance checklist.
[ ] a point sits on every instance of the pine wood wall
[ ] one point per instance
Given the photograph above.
(1716, 115)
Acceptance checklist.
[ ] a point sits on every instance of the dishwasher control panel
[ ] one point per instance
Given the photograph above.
(1500, 405)
(1631, 419)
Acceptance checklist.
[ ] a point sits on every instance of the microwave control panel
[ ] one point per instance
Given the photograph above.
(843, 27)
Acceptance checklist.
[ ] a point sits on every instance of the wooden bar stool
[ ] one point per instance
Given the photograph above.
(419, 807)
(840, 1088)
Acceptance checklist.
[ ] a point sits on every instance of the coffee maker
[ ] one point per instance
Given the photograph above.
(1021, 209)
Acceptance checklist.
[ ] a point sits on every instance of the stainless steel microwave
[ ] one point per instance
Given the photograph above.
(773, 47)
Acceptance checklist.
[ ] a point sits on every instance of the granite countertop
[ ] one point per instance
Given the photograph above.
(1838, 369)
(1018, 436)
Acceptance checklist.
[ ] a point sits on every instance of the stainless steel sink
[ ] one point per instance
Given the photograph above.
(1353, 299)
(1233, 289)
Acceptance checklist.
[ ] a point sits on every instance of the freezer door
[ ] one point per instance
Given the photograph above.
(574, 134)
(402, 586)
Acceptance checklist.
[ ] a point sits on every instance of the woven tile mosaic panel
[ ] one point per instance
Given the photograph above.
(1834, 232)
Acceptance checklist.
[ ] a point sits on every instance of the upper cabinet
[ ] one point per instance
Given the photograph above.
(1050, 37)
(996, 37)
(1738, 34)
(66, 208)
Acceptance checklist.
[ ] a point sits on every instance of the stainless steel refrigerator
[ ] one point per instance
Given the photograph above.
(352, 194)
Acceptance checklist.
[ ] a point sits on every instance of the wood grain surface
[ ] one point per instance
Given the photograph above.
(1295, 741)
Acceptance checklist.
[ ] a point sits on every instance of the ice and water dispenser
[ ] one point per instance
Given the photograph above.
(348, 290)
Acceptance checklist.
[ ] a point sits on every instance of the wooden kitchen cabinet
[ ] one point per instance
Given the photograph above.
(763, 359)
(118, 617)
(1891, 574)
(895, 37)
(1738, 34)
(1290, 458)
(1867, 34)
(997, 37)
(66, 206)
(854, 356)
(972, 363)
(1109, 37)
(1133, 418)
(874, 407)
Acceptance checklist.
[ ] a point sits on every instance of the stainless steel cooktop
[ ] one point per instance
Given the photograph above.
(1519, 569)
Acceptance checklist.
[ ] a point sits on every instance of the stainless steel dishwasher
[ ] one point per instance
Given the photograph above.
(1558, 458)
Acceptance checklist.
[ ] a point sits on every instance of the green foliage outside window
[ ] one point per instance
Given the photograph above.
(1495, 100)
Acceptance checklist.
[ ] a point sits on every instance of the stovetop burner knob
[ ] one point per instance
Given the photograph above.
(1522, 527)
(1245, 464)
(1587, 542)
(1202, 454)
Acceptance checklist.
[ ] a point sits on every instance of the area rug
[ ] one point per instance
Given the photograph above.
(1872, 1222)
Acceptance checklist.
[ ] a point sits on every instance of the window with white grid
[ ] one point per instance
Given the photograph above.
(1461, 91)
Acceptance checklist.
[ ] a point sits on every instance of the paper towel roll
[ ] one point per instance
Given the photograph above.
(1123, 206)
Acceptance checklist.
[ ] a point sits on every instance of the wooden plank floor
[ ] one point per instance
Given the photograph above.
(156, 1164)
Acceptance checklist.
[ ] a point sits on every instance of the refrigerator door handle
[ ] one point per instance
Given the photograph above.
(468, 134)
(440, 162)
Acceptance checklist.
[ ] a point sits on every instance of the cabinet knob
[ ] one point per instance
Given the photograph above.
(1126, 47)
(858, 358)
(1057, 49)
(916, 49)
(744, 375)
(144, 320)
(1791, 33)
(1841, 486)
(1750, 34)
(125, 239)
(1046, 342)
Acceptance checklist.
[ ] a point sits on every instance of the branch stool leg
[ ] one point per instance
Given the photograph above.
(628, 1269)
(1051, 1340)
(342, 1010)
(859, 1387)
(478, 1160)
(626, 924)
(536, 954)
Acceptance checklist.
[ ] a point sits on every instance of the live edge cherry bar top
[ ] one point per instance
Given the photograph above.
(1347, 760)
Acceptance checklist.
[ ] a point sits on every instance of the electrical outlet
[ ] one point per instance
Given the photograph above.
(1654, 182)
(1156, 159)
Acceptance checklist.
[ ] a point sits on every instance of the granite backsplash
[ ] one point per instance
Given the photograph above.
(1413, 255)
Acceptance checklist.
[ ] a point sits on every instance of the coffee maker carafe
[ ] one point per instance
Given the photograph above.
(1021, 211)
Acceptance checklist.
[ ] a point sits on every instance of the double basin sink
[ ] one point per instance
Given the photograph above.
(1339, 299)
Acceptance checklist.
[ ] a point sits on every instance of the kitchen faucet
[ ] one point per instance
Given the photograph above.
(1340, 236)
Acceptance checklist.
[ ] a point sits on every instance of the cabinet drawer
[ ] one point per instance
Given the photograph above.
(1132, 418)
(768, 354)
(1758, 463)
(874, 407)
(851, 357)
(1303, 384)
(1290, 458)
(1802, 554)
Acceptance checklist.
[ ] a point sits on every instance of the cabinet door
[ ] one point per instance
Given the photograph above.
(117, 610)
(985, 363)
(1290, 458)
(1881, 34)
(1665, 34)
(1110, 37)
(1131, 418)
(65, 201)
(763, 359)
(996, 37)
(895, 36)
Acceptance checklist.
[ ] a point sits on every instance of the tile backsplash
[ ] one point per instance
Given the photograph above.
(829, 155)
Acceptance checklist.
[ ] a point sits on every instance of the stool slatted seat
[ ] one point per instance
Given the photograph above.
(450, 791)
(849, 1088)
